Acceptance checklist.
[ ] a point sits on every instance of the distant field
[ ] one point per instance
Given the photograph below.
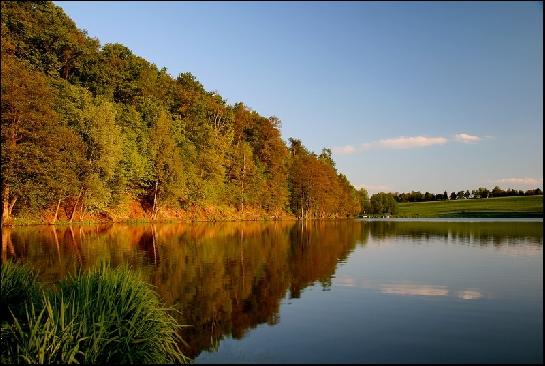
(525, 206)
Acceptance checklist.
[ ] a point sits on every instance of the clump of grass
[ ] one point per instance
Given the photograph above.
(122, 317)
(52, 335)
(20, 288)
(101, 316)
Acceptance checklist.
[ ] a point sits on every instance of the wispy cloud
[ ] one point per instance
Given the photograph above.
(344, 150)
(526, 181)
(466, 138)
(405, 142)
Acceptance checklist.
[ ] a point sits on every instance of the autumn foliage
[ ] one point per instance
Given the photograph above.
(89, 128)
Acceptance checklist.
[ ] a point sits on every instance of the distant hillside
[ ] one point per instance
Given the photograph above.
(531, 206)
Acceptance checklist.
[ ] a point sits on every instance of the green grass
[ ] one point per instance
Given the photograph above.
(49, 335)
(20, 287)
(524, 206)
(101, 316)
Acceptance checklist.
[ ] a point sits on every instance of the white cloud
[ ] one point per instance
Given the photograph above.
(405, 142)
(344, 150)
(526, 181)
(466, 138)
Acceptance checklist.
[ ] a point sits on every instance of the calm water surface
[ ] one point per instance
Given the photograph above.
(329, 291)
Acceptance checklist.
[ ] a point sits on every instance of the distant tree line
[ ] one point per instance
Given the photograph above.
(474, 194)
(87, 128)
(387, 203)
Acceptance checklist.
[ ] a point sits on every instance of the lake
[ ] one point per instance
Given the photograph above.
(346, 291)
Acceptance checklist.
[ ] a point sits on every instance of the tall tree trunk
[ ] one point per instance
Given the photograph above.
(154, 210)
(56, 213)
(74, 211)
(302, 206)
(12, 203)
(75, 206)
(82, 210)
(5, 206)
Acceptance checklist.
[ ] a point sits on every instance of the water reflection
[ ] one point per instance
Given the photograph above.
(227, 278)
(467, 232)
(470, 294)
(410, 289)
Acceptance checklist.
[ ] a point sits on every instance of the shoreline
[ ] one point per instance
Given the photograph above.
(166, 221)
(283, 219)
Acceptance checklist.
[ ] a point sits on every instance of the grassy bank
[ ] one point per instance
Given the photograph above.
(101, 316)
(133, 212)
(509, 207)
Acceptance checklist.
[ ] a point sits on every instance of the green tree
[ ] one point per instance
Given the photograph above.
(325, 156)
(363, 197)
(46, 38)
(497, 192)
(383, 203)
(167, 180)
(40, 157)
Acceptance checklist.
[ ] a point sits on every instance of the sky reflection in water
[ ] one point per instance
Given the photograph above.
(330, 291)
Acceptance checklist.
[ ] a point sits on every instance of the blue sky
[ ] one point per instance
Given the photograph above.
(410, 96)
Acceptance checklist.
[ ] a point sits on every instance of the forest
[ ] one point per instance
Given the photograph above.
(89, 130)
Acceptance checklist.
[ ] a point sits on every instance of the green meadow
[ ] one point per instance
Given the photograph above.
(522, 206)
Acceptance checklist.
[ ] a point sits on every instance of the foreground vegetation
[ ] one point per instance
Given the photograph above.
(92, 131)
(525, 206)
(101, 316)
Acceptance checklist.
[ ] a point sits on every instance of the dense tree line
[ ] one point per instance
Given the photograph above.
(86, 128)
(480, 192)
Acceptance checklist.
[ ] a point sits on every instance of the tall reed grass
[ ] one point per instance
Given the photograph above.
(20, 287)
(101, 316)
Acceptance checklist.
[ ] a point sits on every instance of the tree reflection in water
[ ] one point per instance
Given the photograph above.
(227, 278)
